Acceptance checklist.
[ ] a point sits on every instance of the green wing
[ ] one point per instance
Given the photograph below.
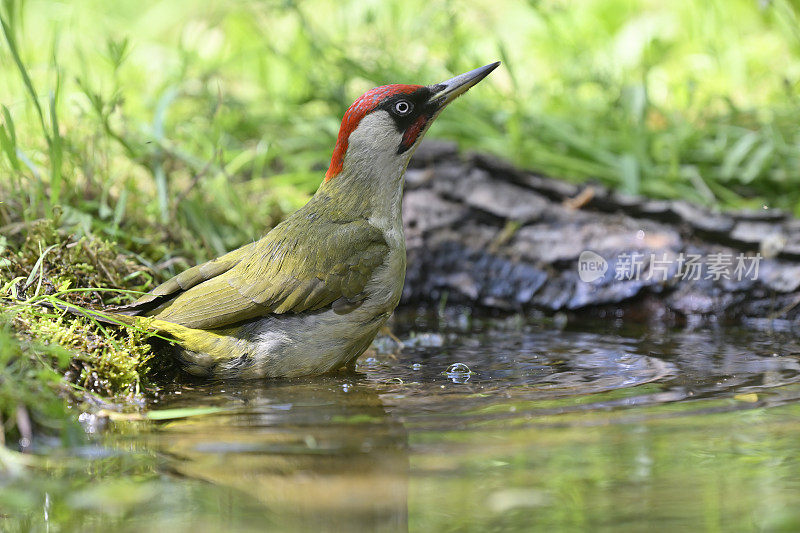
(284, 272)
(185, 281)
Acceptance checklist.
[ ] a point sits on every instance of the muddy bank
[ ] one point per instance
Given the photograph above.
(484, 234)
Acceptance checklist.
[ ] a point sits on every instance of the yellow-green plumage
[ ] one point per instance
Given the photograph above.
(302, 265)
(312, 261)
(311, 295)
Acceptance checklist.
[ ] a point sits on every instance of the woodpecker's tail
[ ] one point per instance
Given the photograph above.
(114, 319)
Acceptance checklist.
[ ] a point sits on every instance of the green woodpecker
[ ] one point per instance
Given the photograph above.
(311, 295)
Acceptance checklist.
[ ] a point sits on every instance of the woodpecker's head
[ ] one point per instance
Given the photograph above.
(382, 128)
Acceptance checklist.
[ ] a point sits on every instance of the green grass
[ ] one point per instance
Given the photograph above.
(171, 131)
(203, 126)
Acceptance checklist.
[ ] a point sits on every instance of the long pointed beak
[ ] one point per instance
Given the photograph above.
(447, 91)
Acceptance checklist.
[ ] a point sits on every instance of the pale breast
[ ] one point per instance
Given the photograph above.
(386, 286)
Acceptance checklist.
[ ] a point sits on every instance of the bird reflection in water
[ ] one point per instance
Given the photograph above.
(316, 453)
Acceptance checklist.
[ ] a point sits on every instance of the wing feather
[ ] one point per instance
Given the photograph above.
(184, 281)
(285, 272)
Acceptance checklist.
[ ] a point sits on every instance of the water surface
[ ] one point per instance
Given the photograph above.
(472, 426)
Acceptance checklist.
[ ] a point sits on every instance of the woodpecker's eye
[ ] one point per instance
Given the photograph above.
(402, 107)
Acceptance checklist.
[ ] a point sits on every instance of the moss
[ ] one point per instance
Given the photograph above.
(66, 262)
(83, 272)
(110, 361)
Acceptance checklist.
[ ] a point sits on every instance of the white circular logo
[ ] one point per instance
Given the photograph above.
(591, 266)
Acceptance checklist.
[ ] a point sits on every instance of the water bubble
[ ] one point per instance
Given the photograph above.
(459, 373)
(458, 367)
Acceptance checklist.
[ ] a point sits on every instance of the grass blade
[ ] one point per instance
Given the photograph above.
(12, 46)
(38, 268)
(8, 139)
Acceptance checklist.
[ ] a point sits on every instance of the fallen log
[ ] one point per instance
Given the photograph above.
(484, 234)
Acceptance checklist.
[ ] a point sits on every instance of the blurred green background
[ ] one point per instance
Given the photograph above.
(198, 124)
